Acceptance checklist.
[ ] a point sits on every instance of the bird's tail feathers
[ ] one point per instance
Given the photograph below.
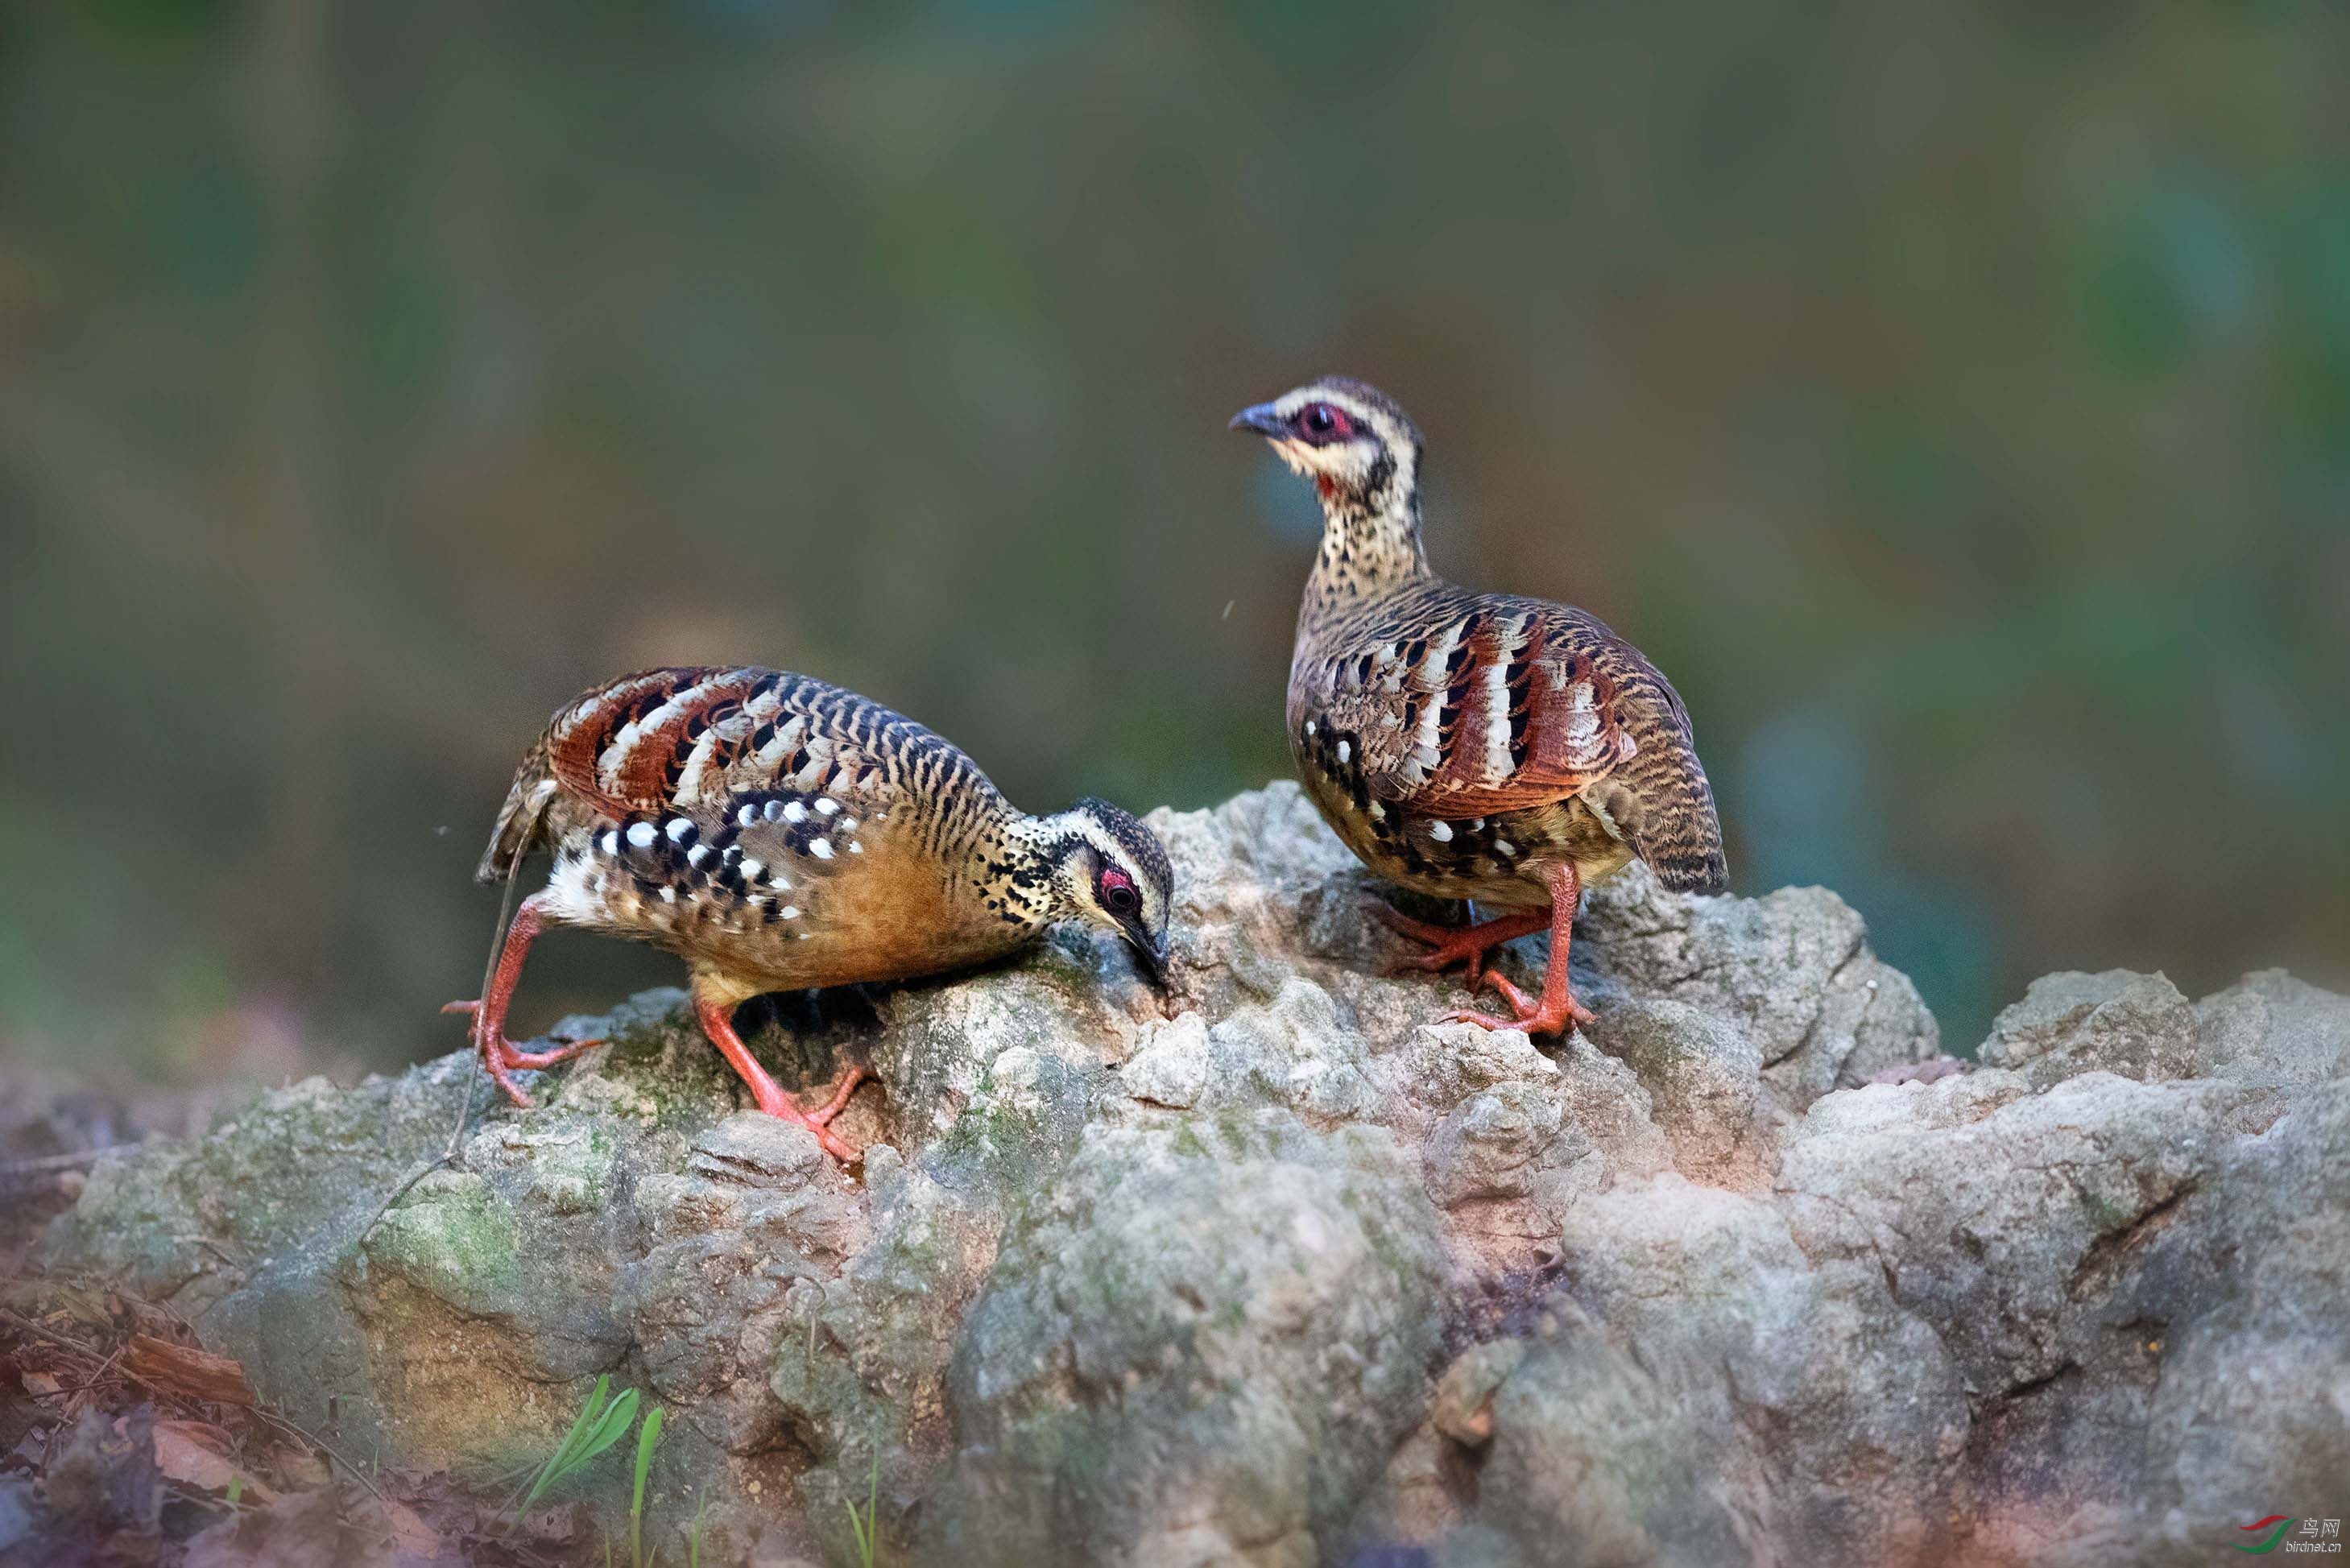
(520, 820)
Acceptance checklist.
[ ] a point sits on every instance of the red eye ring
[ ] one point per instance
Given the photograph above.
(1117, 892)
(1321, 423)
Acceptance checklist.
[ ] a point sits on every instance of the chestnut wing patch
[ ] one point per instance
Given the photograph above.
(1530, 718)
(691, 739)
(593, 746)
(1495, 710)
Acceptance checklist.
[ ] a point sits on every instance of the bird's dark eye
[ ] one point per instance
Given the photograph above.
(1323, 422)
(1117, 892)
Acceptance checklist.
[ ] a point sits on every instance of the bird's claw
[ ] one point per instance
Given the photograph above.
(828, 1139)
(1560, 1017)
(506, 1053)
(822, 1115)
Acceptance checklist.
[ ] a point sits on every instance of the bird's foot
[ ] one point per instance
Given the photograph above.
(717, 1015)
(785, 1109)
(1449, 945)
(823, 1114)
(502, 1058)
(1396, 920)
(1551, 1015)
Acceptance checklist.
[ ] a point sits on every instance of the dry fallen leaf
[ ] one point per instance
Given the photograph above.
(40, 1383)
(191, 1374)
(410, 1534)
(553, 1525)
(141, 1316)
(83, 1306)
(199, 1454)
(302, 1470)
(298, 1531)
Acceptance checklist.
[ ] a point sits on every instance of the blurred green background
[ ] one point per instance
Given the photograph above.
(1953, 398)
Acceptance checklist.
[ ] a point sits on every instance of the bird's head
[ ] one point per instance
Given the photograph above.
(1349, 438)
(1109, 870)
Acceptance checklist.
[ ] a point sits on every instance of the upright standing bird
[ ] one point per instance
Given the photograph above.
(1471, 745)
(778, 833)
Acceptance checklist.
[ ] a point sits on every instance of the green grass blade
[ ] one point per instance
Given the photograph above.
(560, 1462)
(582, 1422)
(611, 1430)
(856, 1527)
(599, 1426)
(868, 1529)
(646, 1436)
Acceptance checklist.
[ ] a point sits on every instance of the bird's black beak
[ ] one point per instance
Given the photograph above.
(1151, 960)
(1262, 419)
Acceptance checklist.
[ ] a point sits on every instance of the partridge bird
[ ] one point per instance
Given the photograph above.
(778, 833)
(1468, 745)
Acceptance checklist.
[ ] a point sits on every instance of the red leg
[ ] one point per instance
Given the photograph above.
(1557, 1012)
(500, 1057)
(718, 1023)
(1450, 944)
(848, 1081)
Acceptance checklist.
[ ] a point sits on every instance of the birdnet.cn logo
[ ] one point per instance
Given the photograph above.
(2278, 1533)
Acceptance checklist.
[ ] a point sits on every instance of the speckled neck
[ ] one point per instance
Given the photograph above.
(1020, 863)
(1370, 538)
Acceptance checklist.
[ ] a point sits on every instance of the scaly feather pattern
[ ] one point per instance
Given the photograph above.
(779, 833)
(1470, 745)
(777, 826)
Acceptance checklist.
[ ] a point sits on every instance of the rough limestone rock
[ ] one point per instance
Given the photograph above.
(1274, 1270)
